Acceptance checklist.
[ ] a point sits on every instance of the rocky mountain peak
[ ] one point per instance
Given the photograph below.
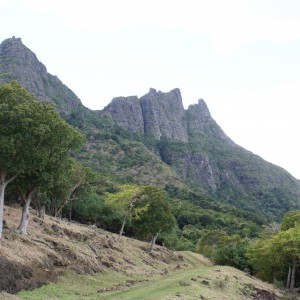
(203, 109)
(156, 114)
(201, 122)
(19, 63)
(162, 115)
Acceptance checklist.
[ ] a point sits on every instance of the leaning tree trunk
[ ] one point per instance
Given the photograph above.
(122, 229)
(152, 244)
(125, 219)
(25, 216)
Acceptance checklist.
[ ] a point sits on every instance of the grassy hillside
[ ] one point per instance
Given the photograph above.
(83, 262)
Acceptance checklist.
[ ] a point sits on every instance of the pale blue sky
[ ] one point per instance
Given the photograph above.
(240, 56)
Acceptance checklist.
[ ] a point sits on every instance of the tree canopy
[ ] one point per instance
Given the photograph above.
(278, 256)
(34, 141)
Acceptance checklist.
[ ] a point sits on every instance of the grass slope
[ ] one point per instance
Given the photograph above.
(80, 262)
(198, 280)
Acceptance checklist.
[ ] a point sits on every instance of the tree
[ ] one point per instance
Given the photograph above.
(156, 218)
(210, 241)
(290, 220)
(13, 144)
(78, 176)
(125, 202)
(34, 143)
(277, 257)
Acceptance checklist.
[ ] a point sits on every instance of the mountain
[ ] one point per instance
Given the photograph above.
(204, 157)
(154, 140)
(19, 63)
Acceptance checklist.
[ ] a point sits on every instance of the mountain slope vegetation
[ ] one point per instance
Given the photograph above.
(154, 140)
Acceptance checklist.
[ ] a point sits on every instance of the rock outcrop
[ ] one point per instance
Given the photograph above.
(19, 63)
(199, 121)
(156, 114)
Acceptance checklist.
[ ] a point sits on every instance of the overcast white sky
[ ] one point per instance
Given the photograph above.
(241, 56)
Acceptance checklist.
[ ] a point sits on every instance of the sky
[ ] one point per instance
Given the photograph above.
(241, 56)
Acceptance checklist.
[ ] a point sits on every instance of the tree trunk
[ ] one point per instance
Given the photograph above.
(293, 274)
(288, 282)
(152, 244)
(125, 219)
(25, 216)
(2, 189)
(41, 212)
(3, 184)
(122, 229)
(61, 207)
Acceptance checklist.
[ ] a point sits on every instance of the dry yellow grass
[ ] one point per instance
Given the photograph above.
(123, 269)
(54, 246)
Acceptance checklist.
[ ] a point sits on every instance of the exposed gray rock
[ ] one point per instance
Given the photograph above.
(200, 121)
(164, 115)
(127, 113)
(198, 168)
(156, 114)
(19, 63)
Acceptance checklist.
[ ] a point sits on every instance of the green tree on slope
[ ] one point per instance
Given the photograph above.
(34, 144)
(125, 202)
(278, 257)
(156, 218)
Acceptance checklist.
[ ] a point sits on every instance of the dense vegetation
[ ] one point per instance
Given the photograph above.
(110, 182)
(64, 187)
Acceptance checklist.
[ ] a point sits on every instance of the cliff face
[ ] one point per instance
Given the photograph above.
(156, 114)
(162, 115)
(199, 121)
(19, 63)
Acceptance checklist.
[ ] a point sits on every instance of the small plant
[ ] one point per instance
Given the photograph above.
(49, 231)
(15, 235)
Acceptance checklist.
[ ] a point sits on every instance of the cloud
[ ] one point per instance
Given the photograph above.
(228, 24)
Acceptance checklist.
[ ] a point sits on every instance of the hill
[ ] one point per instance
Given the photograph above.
(202, 155)
(85, 262)
(154, 140)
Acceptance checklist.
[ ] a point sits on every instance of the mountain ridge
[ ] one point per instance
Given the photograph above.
(153, 139)
(203, 156)
(17, 62)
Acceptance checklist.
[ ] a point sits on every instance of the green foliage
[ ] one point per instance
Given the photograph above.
(123, 198)
(224, 249)
(33, 137)
(34, 142)
(291, 219)
(271, 257)
(157, 217)
(87, 207)
(14, 101)
(233, 253)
